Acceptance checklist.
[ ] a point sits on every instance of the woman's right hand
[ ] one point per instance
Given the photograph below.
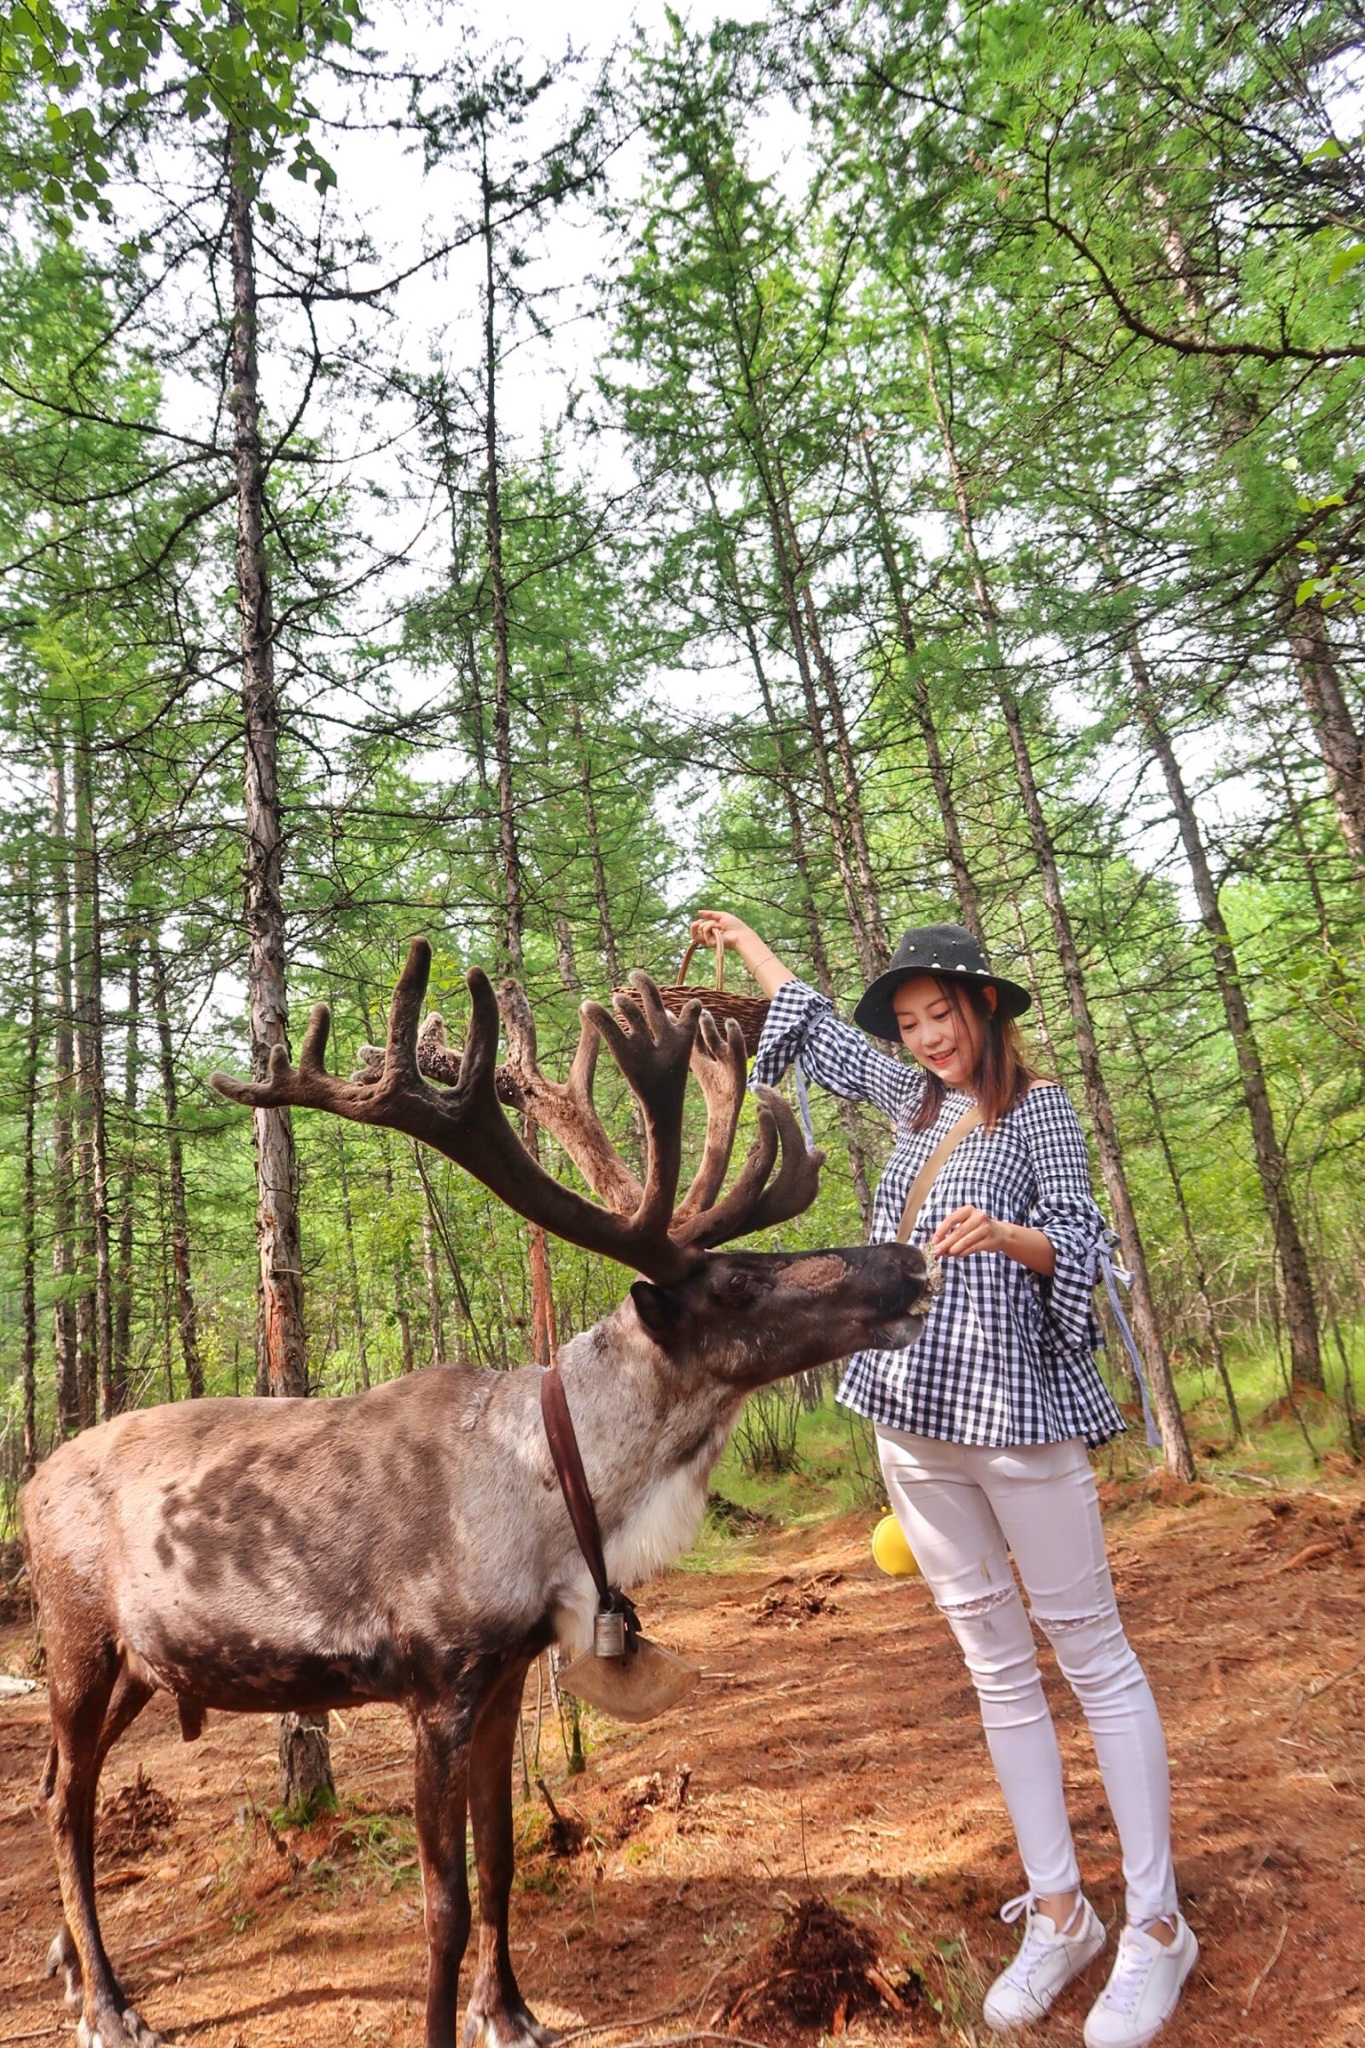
(712, 926)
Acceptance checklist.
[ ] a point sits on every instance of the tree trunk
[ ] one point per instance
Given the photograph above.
(1038, 1020)
(94, 1148)
(1191, 1235)
(281, 1355)
(402, 1315)
(1345, 1000)
(606, 931)
(28, 1249)
(848, 836)
(186, 1316)
(1339, 741)
(1175, 1440)
(564, 954)
(64, 1252)
(1272, 1167)
(352, 1267)
(514, 901)
(843, 745)
(964, 885)
(281, 1366)
(435, 1313)
(870, 959)
(440, 1225)
(815, 939)
(514, 910)
(123, 1284)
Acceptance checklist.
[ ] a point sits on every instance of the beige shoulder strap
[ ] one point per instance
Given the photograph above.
(932, 1168)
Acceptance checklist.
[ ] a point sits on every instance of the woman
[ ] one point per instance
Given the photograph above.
(982, 1429)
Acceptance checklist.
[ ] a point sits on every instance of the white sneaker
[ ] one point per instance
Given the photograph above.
(1046, 1963)
(1143, 1989)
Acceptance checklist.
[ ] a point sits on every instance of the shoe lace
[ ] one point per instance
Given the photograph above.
(1035, 1942)
(1132, 1967)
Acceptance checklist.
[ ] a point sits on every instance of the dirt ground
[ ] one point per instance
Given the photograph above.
(831, 1751)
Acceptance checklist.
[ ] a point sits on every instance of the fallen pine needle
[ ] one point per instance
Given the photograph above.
(1251, 1995)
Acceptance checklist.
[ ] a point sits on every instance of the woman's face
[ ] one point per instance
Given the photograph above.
(945, 1039)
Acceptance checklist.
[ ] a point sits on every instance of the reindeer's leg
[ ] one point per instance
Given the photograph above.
(81, 1702)
(498, 2016)
(440, 1805)
(130, 1696)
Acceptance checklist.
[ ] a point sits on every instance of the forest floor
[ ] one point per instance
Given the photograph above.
(832, 1750)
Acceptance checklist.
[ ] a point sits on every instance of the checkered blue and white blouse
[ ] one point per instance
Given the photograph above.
(1007, 1356)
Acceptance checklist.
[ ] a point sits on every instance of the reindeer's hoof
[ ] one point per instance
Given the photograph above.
(62, 1957)
(502, 2028)
(124, 2029)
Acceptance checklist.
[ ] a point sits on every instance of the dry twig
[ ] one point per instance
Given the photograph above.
(1251, 1995)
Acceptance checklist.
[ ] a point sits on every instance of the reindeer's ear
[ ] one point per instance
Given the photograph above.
(658, 1309)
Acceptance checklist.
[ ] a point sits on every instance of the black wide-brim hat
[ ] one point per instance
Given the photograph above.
(949, 953)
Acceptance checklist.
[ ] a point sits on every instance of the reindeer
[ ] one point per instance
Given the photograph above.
(410, 1544)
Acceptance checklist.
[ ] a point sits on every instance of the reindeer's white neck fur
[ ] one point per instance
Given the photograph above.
(649, 1449)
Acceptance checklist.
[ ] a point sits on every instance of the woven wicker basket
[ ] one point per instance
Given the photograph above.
(749, 1012)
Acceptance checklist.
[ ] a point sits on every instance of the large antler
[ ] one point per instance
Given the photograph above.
(464, 1118)
(466, 1121)
(568, 1112)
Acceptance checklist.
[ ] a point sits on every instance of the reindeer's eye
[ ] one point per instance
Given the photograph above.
(738, 1288)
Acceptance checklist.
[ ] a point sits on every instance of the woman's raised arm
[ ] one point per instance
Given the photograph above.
(802, 1025)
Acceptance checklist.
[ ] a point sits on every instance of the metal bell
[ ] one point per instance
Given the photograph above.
(609, 1634)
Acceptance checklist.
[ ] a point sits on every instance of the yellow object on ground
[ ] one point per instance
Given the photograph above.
(891, 1550)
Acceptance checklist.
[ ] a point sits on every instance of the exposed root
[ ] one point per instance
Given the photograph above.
(815, 1975)
(788, 1605)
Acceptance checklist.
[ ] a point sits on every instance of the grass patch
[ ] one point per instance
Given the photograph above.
(1291, 1436)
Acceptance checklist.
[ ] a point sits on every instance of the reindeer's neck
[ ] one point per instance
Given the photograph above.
(650, 1431)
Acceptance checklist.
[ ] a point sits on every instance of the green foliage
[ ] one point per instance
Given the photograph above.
(1036, 351)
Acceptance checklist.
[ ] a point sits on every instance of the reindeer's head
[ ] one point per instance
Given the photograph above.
(747, 1317)
(754, 1317)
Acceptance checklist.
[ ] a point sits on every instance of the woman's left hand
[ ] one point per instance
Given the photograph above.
(965, 1231)
(969, 1230)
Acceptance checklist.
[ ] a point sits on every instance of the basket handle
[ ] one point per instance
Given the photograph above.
(687, 961)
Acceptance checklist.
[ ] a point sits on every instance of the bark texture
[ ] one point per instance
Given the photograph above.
(281, 1362)
(123, 1279)
(940, 775)
(281, 1354)
(1339, 739)
(1272, 1168)
(64, 1253)
(28, 1242)
(186, 1317)
(96, 1306)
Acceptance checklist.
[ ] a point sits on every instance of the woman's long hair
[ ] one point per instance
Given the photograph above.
(1003, 1074)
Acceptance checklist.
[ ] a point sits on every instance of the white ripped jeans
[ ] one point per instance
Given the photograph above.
(964, 1508)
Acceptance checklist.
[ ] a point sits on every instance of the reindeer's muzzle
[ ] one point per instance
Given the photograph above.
(901, 1281)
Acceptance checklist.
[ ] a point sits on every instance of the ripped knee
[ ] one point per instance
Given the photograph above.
(1090, 1647)
(982, 1603)
(1064, 1625)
